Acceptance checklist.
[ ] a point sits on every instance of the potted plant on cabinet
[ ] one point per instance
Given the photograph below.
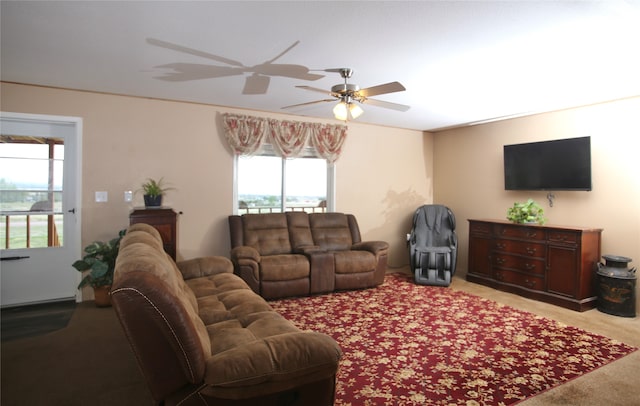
(527, 212)
(153, 191)
(100, 261)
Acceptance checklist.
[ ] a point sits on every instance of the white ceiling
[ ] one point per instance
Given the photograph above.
(461, 62)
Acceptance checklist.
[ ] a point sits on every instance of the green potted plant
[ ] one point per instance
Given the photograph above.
(153, 191)
(527, 212)
(100, 261)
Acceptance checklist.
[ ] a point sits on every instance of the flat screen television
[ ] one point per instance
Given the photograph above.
(548, 165)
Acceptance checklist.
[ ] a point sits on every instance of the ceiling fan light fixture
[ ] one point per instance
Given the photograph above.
(344, 109)
(340, 111)
(355, 110)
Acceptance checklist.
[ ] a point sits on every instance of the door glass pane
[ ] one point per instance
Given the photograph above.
(31, 192)
(259, 184)
(306, 184)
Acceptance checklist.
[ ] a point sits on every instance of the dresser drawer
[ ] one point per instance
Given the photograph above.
(563, 236)
(526, 248)
(515, 278)
(526, 265)
(522, 232)
(480, 228)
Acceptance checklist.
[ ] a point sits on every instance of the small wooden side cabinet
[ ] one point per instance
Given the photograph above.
(553, 264)
(162, 219)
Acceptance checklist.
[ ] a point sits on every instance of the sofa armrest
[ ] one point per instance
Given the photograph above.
(245, 252)
(375, 247)
(205, 266)
(272, 364)
(246, 263)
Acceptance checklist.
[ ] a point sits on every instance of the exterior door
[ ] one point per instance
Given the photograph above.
(39, 207)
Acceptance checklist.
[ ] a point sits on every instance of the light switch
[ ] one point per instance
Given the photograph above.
(102, 197)
(128, 196)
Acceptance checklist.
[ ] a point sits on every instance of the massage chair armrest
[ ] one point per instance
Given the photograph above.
(375, 247)
(204, 266)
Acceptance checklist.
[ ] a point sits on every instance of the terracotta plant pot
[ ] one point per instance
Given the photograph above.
(102, 297)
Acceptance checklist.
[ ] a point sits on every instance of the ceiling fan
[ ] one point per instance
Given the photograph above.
(256, 83)
(348, 93)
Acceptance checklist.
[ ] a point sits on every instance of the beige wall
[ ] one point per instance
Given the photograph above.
(381, 177)
(469, 173)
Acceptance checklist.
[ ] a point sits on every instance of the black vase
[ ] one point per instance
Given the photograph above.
(153, 201)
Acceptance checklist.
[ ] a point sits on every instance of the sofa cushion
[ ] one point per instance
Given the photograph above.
(230, 305)
(214, 284)
(136, 256)
(354, 261)
(142, 253)
(284, 267)
(330, 231)
(267, 233)
(299, 231)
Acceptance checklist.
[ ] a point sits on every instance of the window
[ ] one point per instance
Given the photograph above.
(31, 192)
(266, 183)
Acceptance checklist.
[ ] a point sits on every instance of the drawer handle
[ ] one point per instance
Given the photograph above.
(501, 245)
(531, 233)
(500, 261)
(530, 250)
(529, 283)
(529, 267)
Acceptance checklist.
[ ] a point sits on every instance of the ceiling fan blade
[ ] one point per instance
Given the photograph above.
(180, 48)
(387, 105)
(315, 89)
(308, 103)
(390, 87)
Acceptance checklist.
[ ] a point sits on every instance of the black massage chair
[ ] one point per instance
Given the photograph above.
(433, 245)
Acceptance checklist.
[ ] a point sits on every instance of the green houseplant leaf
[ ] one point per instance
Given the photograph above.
(527, 212)
(100, 262)
(154, 187)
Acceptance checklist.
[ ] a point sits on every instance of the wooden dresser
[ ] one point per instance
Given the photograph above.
(554, 264)
(162, 219)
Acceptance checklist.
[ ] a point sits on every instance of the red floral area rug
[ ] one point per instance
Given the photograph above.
(406, 344)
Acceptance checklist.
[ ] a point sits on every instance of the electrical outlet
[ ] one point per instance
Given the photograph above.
(102, 197)
(128, 196)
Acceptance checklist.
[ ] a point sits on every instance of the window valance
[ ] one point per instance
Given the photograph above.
(246, 134)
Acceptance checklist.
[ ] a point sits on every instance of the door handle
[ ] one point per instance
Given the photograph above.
(16, 258)
(72, 210)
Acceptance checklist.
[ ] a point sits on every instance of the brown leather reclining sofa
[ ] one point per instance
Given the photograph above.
(299, 254)
(201, 336)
